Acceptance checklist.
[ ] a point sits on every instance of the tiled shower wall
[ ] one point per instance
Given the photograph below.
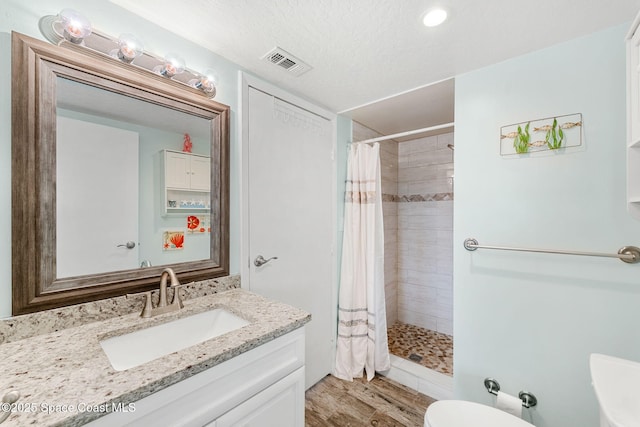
(389, 166)
(425, 233)
(417, 188)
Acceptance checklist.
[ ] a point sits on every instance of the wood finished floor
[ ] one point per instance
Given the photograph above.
(380, 403)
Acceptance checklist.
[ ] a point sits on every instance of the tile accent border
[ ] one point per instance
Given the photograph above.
(432, 197)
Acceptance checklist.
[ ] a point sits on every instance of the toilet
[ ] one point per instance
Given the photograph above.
(460, 413)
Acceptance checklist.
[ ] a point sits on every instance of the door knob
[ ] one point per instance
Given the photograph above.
(129, 245)
(261, 261)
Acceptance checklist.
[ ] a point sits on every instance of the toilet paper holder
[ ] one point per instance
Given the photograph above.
(528, 399)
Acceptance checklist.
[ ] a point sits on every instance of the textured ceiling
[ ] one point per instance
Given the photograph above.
(362, 51)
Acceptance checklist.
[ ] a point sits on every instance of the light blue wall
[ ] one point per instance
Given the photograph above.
(343, 140)
(531, 320)
(5, 178)
(23, 16)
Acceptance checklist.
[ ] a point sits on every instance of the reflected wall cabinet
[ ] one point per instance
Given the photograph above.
(186, 182)
(633, 118)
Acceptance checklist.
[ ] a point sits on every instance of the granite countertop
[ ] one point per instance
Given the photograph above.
(65, 378)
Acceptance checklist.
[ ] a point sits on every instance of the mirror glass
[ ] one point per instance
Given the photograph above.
(115, 208)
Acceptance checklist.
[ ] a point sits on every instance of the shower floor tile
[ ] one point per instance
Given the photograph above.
(428, 348)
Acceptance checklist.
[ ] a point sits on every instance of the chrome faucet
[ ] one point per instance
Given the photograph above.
(163, 305)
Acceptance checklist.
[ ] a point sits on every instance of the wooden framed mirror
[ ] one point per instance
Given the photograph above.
(59, 93)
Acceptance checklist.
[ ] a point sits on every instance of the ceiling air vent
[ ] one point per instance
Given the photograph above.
(286, 61)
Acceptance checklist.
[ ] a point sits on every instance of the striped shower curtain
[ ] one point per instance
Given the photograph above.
(362, 328)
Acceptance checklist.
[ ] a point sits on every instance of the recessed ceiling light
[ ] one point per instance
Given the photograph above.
(434, 17)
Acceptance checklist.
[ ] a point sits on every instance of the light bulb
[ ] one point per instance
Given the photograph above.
(129, 47)
(206, 82)
(173, 65)
(75, 27)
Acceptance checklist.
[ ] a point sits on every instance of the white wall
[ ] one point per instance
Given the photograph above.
(531, 320)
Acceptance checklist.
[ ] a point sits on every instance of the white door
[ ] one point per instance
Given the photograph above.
(96, 198)
(291, 216)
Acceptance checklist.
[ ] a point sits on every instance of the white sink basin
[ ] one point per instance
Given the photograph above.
(134, 349)
(616, 383)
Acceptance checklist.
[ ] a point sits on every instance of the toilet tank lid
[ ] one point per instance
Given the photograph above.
(459, 413)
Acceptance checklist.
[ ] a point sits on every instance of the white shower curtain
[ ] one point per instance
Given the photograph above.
(362, 324)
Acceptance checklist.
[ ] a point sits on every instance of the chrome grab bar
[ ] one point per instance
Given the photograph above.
(628, 254)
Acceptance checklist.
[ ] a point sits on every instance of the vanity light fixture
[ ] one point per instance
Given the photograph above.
(434, 17)
(129, 48)
(69, 26)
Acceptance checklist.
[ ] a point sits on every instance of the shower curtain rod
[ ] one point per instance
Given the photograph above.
(401, 134)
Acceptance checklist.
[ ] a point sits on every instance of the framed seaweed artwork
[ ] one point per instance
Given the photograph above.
(550, 134)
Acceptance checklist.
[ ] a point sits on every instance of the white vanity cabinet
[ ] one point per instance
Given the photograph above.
(262, 387)
(633, 118)
(186, 181)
